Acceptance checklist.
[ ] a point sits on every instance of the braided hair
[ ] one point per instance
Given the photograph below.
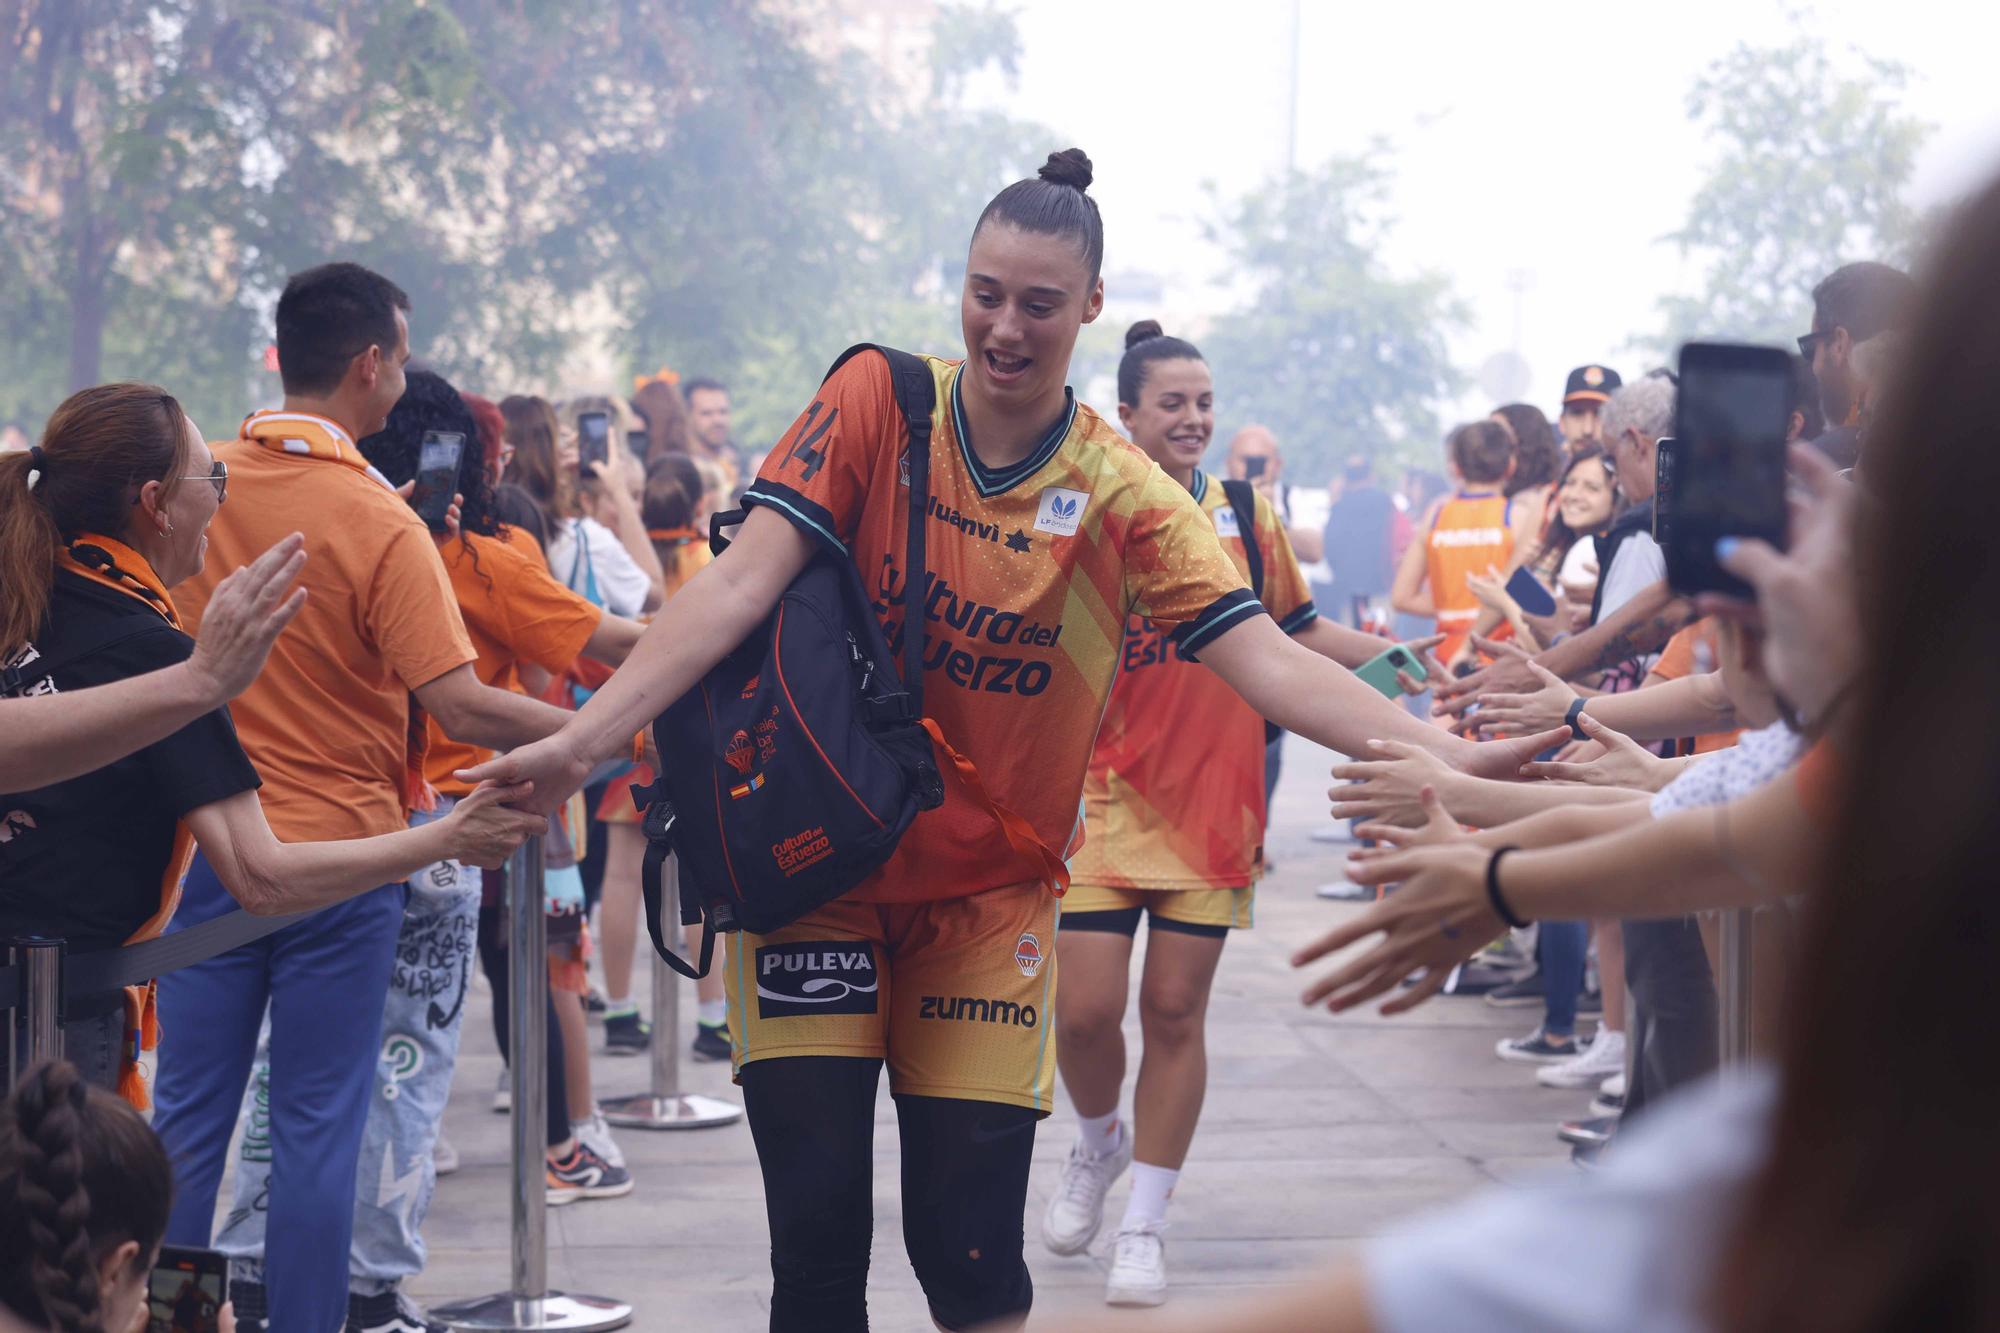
(80, 1174)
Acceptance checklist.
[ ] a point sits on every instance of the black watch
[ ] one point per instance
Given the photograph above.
(1573, 718)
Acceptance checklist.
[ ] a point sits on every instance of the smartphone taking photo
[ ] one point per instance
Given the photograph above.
(1728, 460)
(1381, 670)
(437, 475)
(593, 442)
(186, 1290)
(1253, 468)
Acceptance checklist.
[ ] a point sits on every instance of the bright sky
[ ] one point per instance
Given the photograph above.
(1481, 103)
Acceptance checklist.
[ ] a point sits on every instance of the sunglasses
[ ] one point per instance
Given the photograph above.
(1809, 341)
(217, 476)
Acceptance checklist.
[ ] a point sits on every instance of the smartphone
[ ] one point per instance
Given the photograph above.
(437, 475)
(1381, 669)
(1253, 468)
(1666, 468)
(1728, 459)
(593, 442)
(186, 1291)
(637, 442)
(1528, 592)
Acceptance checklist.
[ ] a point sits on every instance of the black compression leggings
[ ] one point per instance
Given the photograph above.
(493, 962)
(965, 1189)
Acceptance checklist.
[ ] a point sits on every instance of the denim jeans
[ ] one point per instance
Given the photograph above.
(397, 1174)
(323, 980)
(1564, 948)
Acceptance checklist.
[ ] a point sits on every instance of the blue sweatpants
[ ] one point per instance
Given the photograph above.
(325, 980)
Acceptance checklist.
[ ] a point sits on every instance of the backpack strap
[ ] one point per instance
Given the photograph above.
(916, 397)
(658, 826)
(1243, 500)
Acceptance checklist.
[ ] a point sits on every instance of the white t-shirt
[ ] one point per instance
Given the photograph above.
(583, 547)
(1631, 1246)
(1639, 563)
(1756, 760)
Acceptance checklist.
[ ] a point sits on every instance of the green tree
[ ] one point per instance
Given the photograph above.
(1331, 350)
(1813, 155)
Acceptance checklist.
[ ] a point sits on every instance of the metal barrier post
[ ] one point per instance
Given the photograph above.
(666, 1106)
(1733, 987)
(528, 1306)
(41, 1019)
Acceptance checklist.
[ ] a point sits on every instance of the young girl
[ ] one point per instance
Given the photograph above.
(1060, 531)
(1174, 817)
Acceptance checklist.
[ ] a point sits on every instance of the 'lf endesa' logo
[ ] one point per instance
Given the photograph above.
(1060, 511)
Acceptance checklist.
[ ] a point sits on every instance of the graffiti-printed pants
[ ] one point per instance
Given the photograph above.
(420, 1028)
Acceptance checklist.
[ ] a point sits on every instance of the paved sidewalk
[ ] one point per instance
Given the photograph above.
(1318, 1131)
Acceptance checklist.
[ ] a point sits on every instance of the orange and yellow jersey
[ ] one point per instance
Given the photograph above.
(1175, 794)
(1469, 534)
(1033, 571)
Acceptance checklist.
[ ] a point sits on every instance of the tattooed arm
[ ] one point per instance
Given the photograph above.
(1643, 625)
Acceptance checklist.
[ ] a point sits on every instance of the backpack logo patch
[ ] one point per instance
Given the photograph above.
(1060, 511)
(739, 754)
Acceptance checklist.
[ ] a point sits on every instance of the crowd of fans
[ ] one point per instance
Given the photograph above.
(253, 673)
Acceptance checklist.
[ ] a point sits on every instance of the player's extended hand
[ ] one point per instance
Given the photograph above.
(1502, 759)
(1624, 763)
(552, 765)
(1389, 785)
(248, 612)
(1435, 921)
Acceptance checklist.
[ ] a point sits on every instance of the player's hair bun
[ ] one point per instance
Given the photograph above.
(1069, 167)
(1142, 331)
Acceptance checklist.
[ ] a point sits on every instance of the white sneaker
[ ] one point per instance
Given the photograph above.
(1613, 1086)
(1138, 1266)
(596, 1135)
(503, 1092)
(1592, 1065)
(445, 1156)
(1077, 1210)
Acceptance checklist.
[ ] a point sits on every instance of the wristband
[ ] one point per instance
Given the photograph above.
(1493, 898)
(1570, 719)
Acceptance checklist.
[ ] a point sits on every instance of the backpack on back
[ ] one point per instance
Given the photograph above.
(791, 770)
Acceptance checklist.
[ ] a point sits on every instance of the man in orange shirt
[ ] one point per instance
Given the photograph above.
(332, 729)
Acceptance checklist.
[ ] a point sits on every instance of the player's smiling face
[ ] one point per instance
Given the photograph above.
(1175, 416)
(1026, 297)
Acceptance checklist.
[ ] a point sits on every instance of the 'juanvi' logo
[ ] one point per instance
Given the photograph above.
(1061, 510)
(815, 977)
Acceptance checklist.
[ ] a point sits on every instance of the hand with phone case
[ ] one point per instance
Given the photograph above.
(436, 485)
(1726, 467)
(1386, 669)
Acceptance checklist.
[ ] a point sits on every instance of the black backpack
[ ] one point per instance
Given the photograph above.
(790, 772)
(1243, 501)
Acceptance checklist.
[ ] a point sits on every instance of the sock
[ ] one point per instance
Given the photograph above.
(1100, 1133)
(713, 1013)
(1152, 1186)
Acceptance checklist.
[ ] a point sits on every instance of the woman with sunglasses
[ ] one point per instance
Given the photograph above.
(97, 523)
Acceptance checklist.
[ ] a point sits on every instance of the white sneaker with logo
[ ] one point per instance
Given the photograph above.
(1138, 1266)
(596, 1134)
(1077, 1210)
(1589, 1067)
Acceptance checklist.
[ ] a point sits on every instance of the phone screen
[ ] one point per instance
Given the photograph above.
(437, 475)
(1529, 594)
(1727, 461)
(593, 442)
(636, 442)
(186, 1291)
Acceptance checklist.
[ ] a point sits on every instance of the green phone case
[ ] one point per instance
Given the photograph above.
(1380, 670)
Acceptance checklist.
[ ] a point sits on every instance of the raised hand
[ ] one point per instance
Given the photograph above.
(1436, 920)
(248, 612)
(1387, 787)
(1539, 710)
(1508, 671)
(1624, 763)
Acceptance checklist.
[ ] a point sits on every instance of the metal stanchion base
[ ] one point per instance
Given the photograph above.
(684, 1111)
(507, 1313)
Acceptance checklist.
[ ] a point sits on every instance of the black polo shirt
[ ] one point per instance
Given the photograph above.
(85, 859)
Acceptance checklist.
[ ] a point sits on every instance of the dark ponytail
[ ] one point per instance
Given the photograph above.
(1056, 203)
(101, 445)
(1145, 343)
(83, 1174)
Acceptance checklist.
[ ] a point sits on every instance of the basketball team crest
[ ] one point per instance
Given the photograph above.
(739, 754)
(1028, 954)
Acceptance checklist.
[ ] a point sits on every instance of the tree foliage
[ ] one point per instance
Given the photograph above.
(698, 183)
(1813, 155)
(1332, 351)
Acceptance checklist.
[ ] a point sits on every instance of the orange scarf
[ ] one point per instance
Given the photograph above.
(112, 564)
